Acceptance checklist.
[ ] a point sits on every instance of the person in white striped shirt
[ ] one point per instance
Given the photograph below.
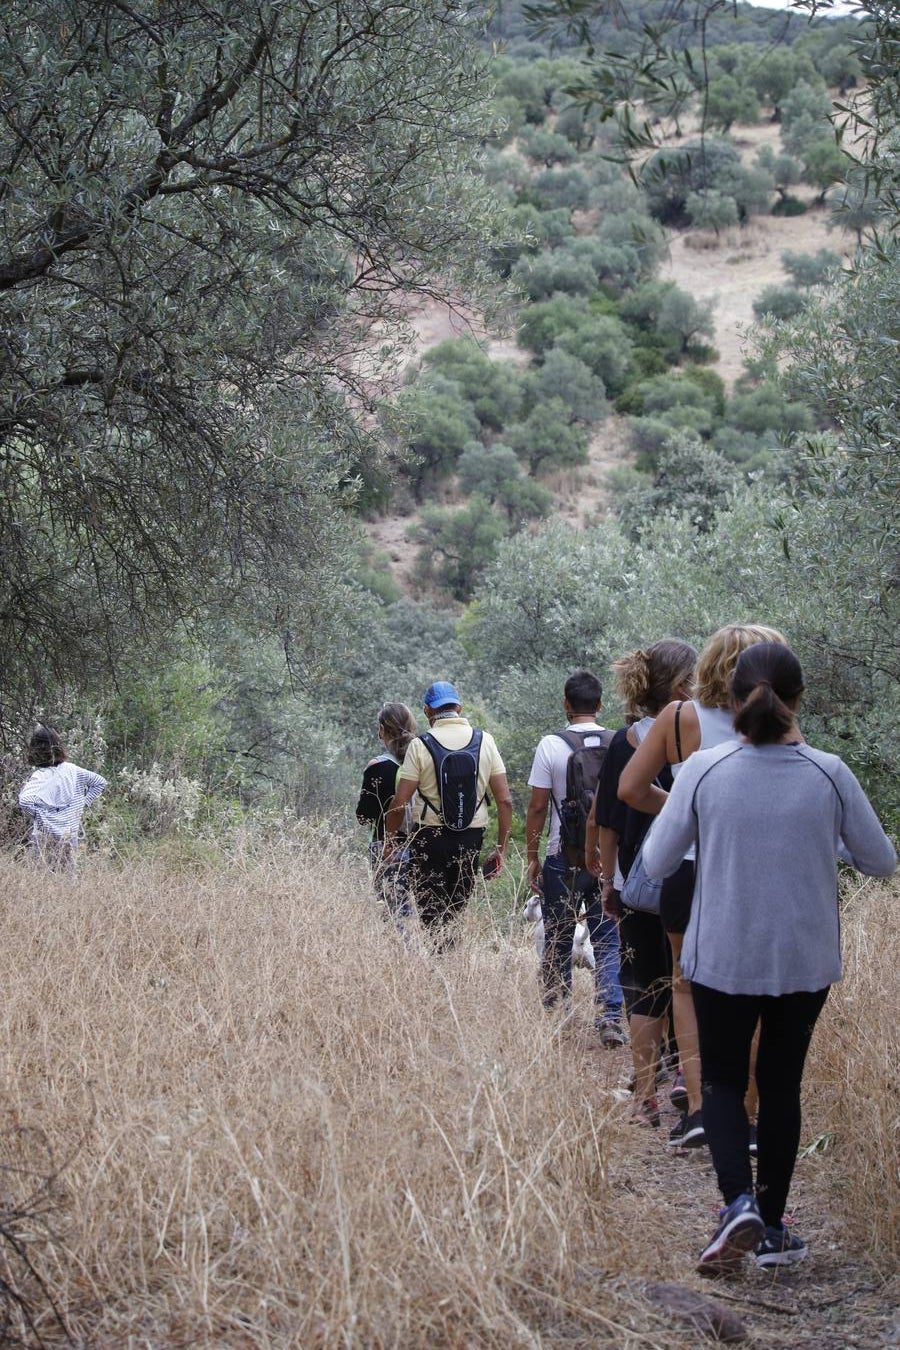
(55, 797)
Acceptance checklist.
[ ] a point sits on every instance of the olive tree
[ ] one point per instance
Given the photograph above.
(206, 207)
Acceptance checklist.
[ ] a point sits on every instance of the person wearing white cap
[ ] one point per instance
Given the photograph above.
(452, 767)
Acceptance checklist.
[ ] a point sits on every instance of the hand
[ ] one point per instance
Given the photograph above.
(612, 905)
(389, 851)
(492, 865)
(536, 876)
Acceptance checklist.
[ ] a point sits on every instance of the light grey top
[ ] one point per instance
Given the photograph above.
(767, 821)
(716, 726)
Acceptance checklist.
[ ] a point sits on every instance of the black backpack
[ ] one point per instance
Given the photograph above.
(582, 772)
(457, 780)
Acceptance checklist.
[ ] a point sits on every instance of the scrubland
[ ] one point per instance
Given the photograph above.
(237, 1110)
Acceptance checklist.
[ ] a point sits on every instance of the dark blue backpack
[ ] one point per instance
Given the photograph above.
(457, 779)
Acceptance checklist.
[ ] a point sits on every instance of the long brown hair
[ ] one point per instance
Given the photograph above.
(398, 727)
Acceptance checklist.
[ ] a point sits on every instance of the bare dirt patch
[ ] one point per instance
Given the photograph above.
(733, 270)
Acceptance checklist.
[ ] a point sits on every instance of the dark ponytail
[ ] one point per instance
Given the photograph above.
(767, 682)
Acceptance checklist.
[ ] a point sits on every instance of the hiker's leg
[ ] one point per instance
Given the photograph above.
(427, 876)
(646, 977)
(604, 934)
(675, 911)
(461, 865)
(559, 930)
(786, 1028)
(726, 1023)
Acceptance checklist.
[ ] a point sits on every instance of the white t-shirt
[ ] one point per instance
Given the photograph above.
(548, 770)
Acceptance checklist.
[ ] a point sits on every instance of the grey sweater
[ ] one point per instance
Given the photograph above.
(767, 821)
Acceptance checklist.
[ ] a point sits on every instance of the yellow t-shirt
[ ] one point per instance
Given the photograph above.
(418, 767)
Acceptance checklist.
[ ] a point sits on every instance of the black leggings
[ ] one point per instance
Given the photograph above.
(726, 1023)
(442, 871)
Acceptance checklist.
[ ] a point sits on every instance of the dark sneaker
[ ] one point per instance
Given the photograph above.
(753, 1148)
(740, 1230)
(691, 1134)
(612, 1033)
(646, 1113)
(677, 1129)
(678, 1093)
(780, 1247)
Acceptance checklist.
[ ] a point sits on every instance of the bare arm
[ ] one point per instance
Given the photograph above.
(400, 800)
(535, 820)
(592, 859)
(636, 786)
(503, 800)
(609, 851)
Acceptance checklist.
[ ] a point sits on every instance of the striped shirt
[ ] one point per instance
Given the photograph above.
(55, 799)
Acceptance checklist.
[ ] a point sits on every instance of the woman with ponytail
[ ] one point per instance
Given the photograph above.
(768, 816)
(646, 680)
(684, 726)
(396, 728)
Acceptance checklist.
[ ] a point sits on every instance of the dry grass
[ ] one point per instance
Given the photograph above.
(268, 1124)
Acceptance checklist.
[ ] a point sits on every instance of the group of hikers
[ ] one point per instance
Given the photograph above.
(699, 844)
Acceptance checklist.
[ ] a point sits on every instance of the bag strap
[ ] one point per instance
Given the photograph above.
(678, 730)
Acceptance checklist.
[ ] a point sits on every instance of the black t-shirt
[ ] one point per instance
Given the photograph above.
(616, 815)
(378, 787)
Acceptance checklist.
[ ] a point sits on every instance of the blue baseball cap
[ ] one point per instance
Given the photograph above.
(441, 694)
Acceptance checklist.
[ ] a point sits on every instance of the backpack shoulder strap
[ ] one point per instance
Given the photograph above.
(434, 748)
(572, 738)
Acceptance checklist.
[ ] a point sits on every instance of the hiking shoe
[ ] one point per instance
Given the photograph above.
(612, 1033)
(753, 1148)
(678, 1093)
(646, 1113)
(780, 1247)
(740, 1230)
(677, 1129)
(692, 1133)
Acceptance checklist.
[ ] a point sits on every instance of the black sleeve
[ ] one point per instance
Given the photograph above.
(378, 787)
(609, 812)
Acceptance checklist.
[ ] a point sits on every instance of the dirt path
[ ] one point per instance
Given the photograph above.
(834, 1300)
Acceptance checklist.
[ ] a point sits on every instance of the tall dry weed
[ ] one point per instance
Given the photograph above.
(853, 1077)
(277, 1125)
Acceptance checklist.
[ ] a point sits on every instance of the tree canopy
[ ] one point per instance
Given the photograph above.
(206, 208)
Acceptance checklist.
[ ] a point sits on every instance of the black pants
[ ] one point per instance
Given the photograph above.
(726, 1023)
(442, 871)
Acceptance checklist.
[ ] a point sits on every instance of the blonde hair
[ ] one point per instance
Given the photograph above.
(646, 679)
(719, 658)
(399, 727)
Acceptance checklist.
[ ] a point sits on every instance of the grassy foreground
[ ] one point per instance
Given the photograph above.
(235, 1111)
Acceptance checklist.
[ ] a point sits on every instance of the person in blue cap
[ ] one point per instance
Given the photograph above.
(452, 768)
